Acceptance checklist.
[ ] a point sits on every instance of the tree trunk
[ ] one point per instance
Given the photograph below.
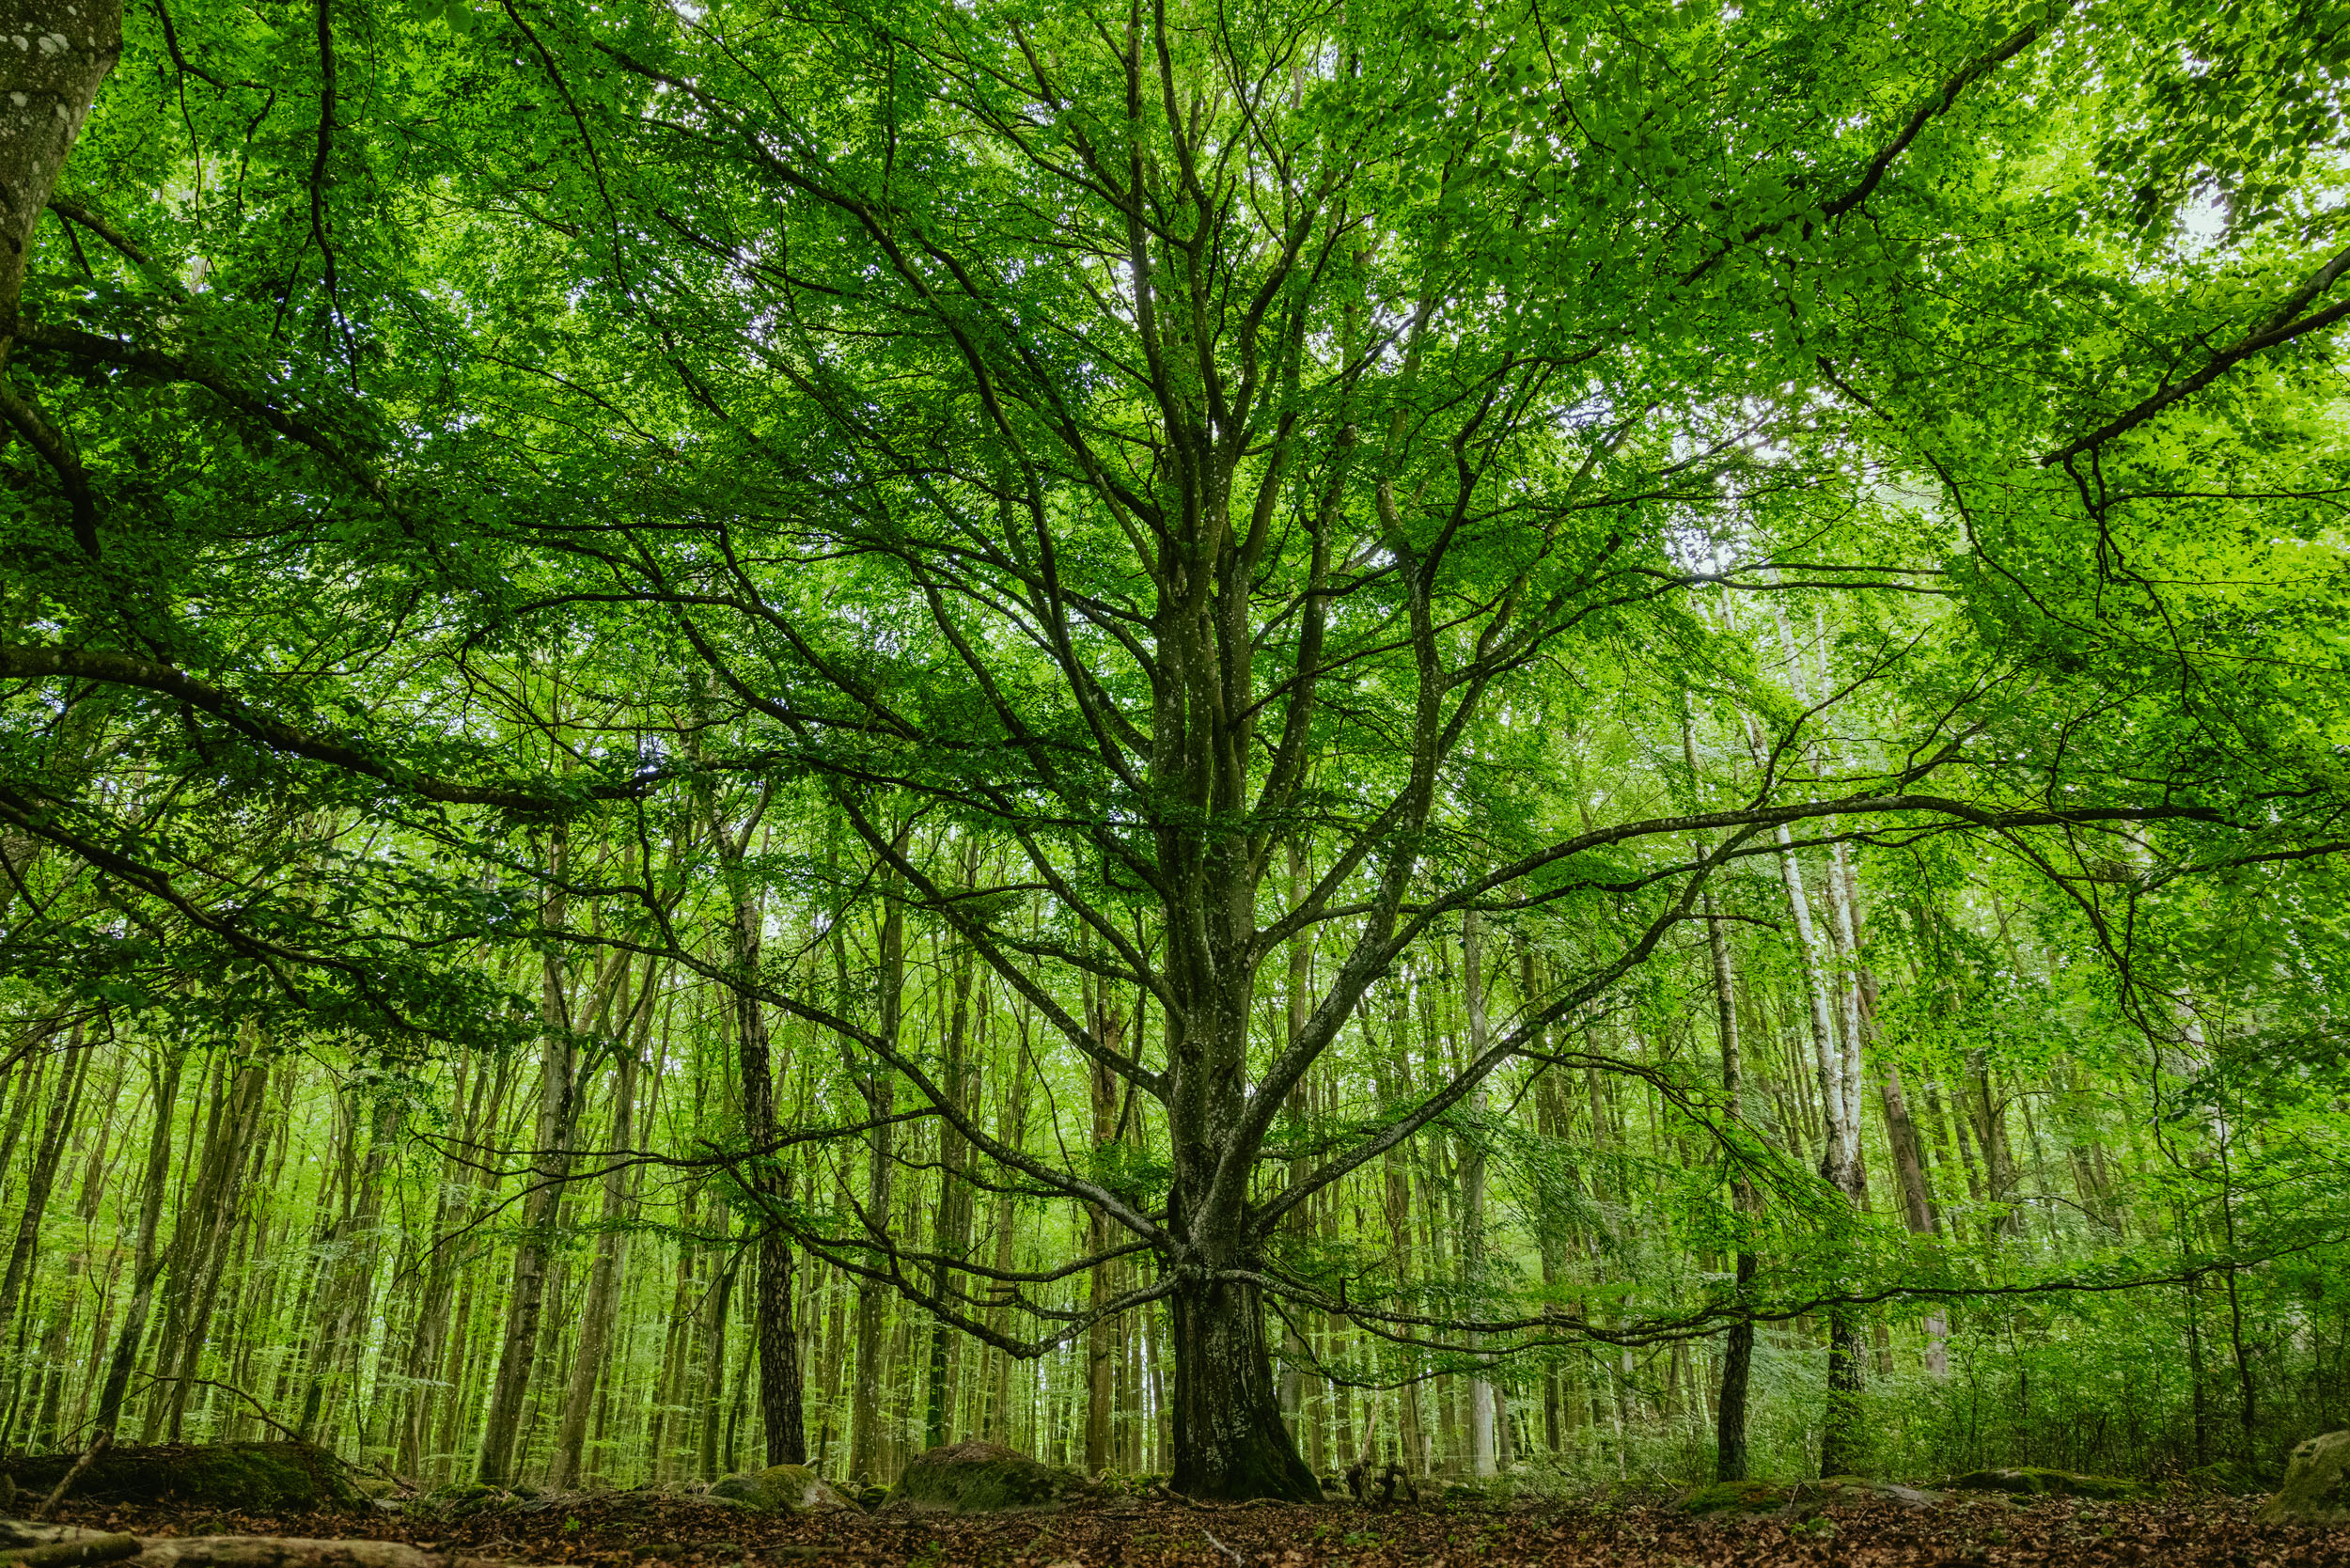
(201, 1238)
(1990, 1119)
(1108, 1026)
(1230, 1441)
(1011, 1125)
(52, 88)
(715, 1306)
(951, 1237)
(465, 1175)
(1483, 1457)
(880, 1087)
(1839, 1158)
(603, 1275)
(147, 1262)
(1900, 1131)
(351, 1285)
(1729, 1419)
(518, 1344)
(43, 1175)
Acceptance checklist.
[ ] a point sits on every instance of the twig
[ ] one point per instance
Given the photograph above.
(98, 1445)
(1222, 1547)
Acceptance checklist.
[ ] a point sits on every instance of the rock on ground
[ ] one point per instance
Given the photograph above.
(1736, 1497)
(1862, 1489)
(781, 1489)
(2230, 1478)
(2031, 1480)
(1762, 1496)
(260, 1477)
(983, 1478)
(2317, 1484)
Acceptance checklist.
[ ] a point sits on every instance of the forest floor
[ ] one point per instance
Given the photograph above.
(1973, 1530)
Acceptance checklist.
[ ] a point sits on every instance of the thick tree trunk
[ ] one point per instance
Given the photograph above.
(1230, 1439)
(63, 53)
(1296, 1353)
(51, 85)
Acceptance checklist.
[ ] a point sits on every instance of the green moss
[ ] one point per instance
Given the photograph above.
(1736, 1497)
(459, 1499)
(2230, 1478)
(251, 1477)
(1862, 1489)
(2031, 1480)
(983, 1478)
(779, 1489)
(2316, 1489)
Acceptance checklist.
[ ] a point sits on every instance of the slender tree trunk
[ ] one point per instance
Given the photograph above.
(351, 1287)
(1860, 1012)
(201, 1239)
(1483, 1457)
(518, 1343)
(147, 1262)
(1011, 1121)
(1990, 1119)
(461, 1186)
(1730, 1421)
(1840, 1159)
(669, 1384)
(951, 1237)
(43, 1175)
(880, 1088)
(603, 1275)
(715, 1309)
(1109, 1025)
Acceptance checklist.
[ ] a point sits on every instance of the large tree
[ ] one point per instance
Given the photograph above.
(1096, 457)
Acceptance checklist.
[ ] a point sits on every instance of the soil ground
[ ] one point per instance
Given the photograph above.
(1972, 1531)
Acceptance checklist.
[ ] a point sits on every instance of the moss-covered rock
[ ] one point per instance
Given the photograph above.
(1736, 1497)
(1862, 1489)
(2230, 1478)
(983, 1478)
(2317, 1490)
(460, 1500)
(2032, 1482)
(254, 1477)
(782, 1489)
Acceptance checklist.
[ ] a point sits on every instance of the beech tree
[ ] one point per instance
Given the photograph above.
(1177, 506)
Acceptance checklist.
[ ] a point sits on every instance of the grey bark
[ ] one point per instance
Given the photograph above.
(518, 1341)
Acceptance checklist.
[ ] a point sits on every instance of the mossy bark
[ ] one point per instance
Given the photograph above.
(1230, 1438)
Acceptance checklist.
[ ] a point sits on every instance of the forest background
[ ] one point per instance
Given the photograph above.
(1586, 742)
